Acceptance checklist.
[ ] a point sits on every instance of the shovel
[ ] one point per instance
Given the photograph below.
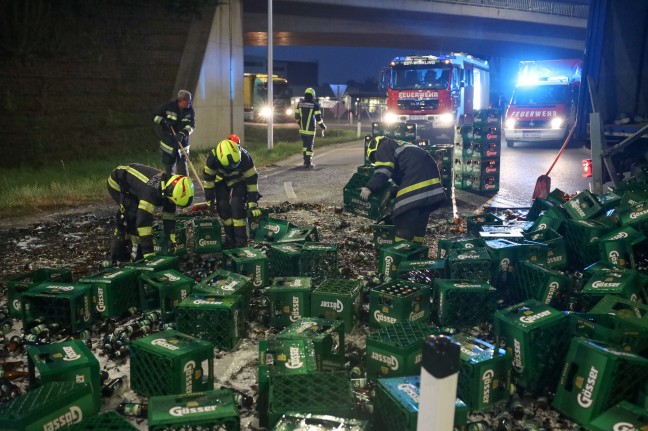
(543, 183)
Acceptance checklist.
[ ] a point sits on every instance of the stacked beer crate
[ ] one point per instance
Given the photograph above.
(476, 153)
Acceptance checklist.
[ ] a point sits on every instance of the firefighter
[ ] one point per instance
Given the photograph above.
(308, 113)
(230, 180)
(138, 190)
(418, 189)
(175, 121)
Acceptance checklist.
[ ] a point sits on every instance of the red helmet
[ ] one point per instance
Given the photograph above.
(234, 138)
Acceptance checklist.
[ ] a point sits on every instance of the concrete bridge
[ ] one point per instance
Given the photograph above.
(212, 64)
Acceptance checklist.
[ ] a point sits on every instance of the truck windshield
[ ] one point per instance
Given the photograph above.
(541, 94)
(407, 78)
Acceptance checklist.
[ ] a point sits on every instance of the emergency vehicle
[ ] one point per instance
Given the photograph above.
(543, 105)
(435, 92)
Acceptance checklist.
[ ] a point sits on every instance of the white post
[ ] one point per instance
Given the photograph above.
(439, 376)
(359, 128)
(270, 80)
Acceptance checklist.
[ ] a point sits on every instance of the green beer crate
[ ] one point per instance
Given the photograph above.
(68, 304)
(207, 410)
(287, 356)
(250, 262)
(284, 259)
(504, 254)
(23, 282)
(164, 290)
(207, 235)
(327, 337)
(383, 235)
(396, 301)
(549, 287)
(421, 271)
(300, 421)
(513, 232)
(155, 263)
(114, 290)
(301, 235)
(217, 319)
(50, 407)
(391, 256)
(289, 300)
(622, 416)
(161, 243)
(472, 264)
(67, 361)
(474, 223)
(319, 261)
(170, 362)
(464, 244)
(636, 216)
(226, 283)
(536, 338)
(582, 240)
(596, 377)
(396, 349)
(612, 304)
(484, 373)
(583, 206)
(625, 283)
(337, 299)
(110, 420)
(396, 405)
(463, 303)
(555, 255)
(618, 247)
(622, 333)
(375, 208)
(553, 217)
(271, 230)
(555, 199)
(608, 200)
(316, 393)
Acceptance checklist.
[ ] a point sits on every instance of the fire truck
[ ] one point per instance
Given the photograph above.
(543, 105)
(435, 92)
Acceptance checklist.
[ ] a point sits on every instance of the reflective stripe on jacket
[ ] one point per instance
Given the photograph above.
(245, 171)
(307, 115)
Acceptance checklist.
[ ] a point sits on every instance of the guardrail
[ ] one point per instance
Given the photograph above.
(573, 9)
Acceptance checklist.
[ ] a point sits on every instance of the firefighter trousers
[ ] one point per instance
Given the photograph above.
(230, 203)
(308, 141)
(411, 225)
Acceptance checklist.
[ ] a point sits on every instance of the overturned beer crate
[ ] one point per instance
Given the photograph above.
(421, 271)
(155, 263)
(269, 230)
(68, 304)
(284, 259)
(583, 206)
(624, 334)
(110, 420)
(626, 283)
(397, 301)
(582, 241)
(208, 410)
(536, 337)
(114, 290)
(595, 378)
(613, 304)
(337, 299)
(319, 261)
(390, 257)
(290, 299)
(549, 287)
(164, 290)
(463, 303)
(618, 247)
(23, 282)
(250, 262)
(207, 235)
(327, 337)
(171, 362)
(396, 349)
(226, 283)
(217, 319)
(162, 242)
(484, 373)
(554, 256)
(474, 264)
(300, 235)
(464, 244)
(622, 415)
(383, 235)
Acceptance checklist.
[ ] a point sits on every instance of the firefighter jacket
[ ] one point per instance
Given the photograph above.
(145, 184)
(412, 169)
(307, 114)
(215, 172)
(183, 122)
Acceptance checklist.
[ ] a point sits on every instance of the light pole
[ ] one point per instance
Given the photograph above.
(270, 80)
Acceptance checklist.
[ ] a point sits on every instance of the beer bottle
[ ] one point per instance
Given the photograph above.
(15, 374)
(242, 400)
(15, 344)
(138, 410)
(113, 387)
(6, 326)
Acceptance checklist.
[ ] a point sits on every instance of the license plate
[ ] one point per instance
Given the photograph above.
(417, 117)
(531, 134)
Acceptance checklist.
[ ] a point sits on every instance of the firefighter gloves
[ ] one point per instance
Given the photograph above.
(253, 211)
(365, 193)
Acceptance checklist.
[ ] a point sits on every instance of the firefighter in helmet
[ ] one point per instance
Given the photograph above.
(138, 190)
(176, 120)
(307, 114)
(231, 188)
(418, 189)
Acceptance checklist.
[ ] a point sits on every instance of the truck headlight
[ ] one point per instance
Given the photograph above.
(390, 118)
(446, 118)
(289, 111)
(510, 123)
(266, 112)
(557, 123)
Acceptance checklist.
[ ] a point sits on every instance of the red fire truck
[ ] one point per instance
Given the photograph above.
(435, 92)
(543, 105)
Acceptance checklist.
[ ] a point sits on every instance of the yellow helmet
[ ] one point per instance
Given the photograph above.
(372, 147)
(310, 91)
(228, 154)
(180, 190)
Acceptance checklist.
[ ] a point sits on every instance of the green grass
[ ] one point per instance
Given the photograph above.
(60, 185)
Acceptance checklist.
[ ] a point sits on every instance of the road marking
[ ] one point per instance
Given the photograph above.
(289, 190)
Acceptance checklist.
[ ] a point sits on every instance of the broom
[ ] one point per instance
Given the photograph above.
(543, 183)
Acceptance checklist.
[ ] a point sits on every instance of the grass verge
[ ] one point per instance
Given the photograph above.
(62, 185)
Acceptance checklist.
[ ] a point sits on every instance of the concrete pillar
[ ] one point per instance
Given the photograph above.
(218, 96)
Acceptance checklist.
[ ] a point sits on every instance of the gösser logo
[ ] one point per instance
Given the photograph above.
(295, 360)
(70, 354)
(584, 398)
(164, 343)
(181, 411)
(410, 390)
(73, 416)
(623, 426)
